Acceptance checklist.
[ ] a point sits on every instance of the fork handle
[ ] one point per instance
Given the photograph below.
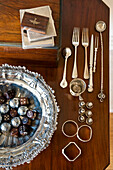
(75, 73)
(94, 68)
(86, 72)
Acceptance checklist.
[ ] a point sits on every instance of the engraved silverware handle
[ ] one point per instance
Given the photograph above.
(95, 58)
(64, 83)
(90, 86)
(86, 73)
(75, 73)
(101, 95)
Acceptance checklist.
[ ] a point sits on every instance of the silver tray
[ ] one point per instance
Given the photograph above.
(33, 83)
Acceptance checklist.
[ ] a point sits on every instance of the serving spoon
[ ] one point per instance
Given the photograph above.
(101, 27)
(66, 53)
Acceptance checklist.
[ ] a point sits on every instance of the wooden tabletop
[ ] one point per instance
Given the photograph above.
(95, 154)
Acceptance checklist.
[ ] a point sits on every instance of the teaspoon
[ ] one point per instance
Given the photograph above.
(101, 27)
(66, 54)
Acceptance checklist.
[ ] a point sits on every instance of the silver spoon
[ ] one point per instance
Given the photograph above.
(100, 27)
(67, 54)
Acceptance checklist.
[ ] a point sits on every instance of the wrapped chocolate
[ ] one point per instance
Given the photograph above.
(5, 127)
(0, 118)
(14, 103)
(10, 94)
(4, 108)
(14, 132)
(31, 114)
(26, 120)
(22, 110)
(13, 113)
(24, 101)
(6, 117)
(23, 130)
(16, 121)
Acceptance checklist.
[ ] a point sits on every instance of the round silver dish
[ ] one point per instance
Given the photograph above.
(37, 142)
(77, 87)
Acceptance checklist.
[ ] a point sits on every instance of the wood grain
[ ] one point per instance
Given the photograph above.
(110, 167)
(95, 154)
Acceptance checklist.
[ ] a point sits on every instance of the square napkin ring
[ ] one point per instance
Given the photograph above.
(69, 144)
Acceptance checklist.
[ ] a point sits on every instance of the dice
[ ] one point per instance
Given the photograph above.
(6, 118)
(24, 101)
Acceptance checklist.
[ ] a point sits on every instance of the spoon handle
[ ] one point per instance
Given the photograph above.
(101, 40)
(65, 67)
(64, 83)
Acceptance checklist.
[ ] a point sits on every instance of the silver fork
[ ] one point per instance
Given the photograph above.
(75, 42)
(85, 43)
(96, 49)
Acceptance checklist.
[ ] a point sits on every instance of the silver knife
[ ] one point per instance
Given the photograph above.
(90, 86)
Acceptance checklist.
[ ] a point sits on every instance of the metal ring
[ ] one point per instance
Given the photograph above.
(66, 156)
(69, 121)
(90, 133)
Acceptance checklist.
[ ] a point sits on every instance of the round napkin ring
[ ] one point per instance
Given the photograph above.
(90, 136)
(69, 121)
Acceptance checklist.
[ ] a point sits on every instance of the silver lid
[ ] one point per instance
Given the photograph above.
(4, 108)
(88, 113)
(5, 127)
(81, 111)
(14, 103)
(82, 104)
(22, 110)
(89, 121)
(89, 105)
(15, 121)
(81, 118)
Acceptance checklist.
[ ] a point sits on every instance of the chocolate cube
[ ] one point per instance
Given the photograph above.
(24, 101)
(13, 113)
(10, 94)
(14, 132)
(6, 117)
(2, 99)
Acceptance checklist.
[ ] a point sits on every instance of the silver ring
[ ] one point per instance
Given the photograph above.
(90, 133)
(69, 121)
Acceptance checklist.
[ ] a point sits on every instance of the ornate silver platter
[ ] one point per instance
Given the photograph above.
(18, 150)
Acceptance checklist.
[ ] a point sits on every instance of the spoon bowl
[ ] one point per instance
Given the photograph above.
(100, 26)
(66, 52)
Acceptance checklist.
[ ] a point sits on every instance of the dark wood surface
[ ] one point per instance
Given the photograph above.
(95, 154)
(10, 32)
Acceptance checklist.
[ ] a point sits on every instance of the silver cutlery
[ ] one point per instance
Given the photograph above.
(75, 42)
(96, 49)
(85, 43)
(67, 54)
(90, 85)
(100, 27)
